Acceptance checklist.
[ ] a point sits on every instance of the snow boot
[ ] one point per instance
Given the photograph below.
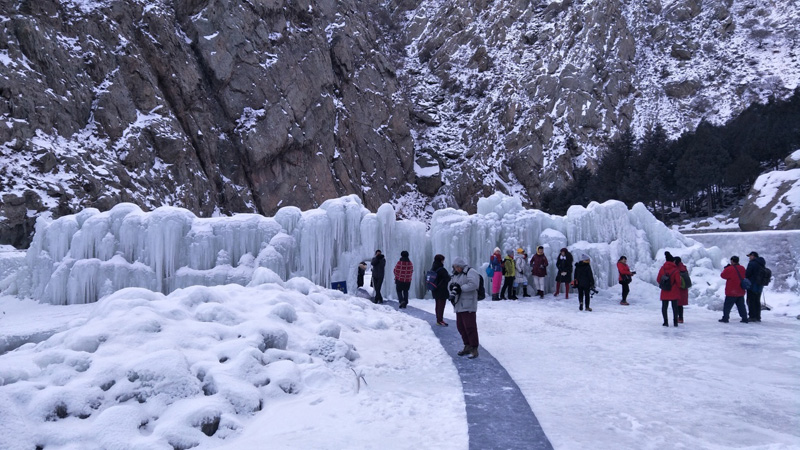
(558, 287)
(665, 324)
(473, 353)
(541, 294)
(525, 291)
(467, 349)
(495, 297)
(566, 290)
(580, 306)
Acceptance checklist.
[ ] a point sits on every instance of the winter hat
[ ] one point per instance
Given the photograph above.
(439, 258)
(510, 252)
(404, 254)
(668, 256)
(584, 257)
(460, 262)
(520, 250)
(677, 260)
(496, 250)
(753, 254)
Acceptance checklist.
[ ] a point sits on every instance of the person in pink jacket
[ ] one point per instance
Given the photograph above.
(733, 274)
(672, 295)
(496, 264)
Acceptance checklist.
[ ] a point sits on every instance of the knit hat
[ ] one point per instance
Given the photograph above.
(460, 262)
(520, 250)
(404, 254)
(496, 250)
(668, 256)
(584, 257)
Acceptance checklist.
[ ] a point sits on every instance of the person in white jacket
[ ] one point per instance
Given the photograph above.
(463, 287)
(523, 269)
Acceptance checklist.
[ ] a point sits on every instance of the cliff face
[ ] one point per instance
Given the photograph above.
(224, 106)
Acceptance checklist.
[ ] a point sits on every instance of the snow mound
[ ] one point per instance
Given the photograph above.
(178, 370)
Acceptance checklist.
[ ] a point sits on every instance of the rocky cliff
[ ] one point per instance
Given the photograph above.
(224, 106)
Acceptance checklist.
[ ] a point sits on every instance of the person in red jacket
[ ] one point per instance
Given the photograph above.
(403, 272)
(539, 270)
(674, 293)
(733, 274)
(684, 300)
(625, 278)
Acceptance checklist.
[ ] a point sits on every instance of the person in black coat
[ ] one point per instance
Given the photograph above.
(362, 268)
(564, 275)
(378, 272)
(753, 273)
(440, 293)
(584, 281)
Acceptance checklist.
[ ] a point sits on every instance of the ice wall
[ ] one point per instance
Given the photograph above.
(82, 257)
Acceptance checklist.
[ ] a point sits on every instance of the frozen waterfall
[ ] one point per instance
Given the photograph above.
(82, 257)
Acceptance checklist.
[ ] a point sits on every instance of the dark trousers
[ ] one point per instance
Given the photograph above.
(402, 291)
(440, 304)
(664, 305)
(584, 295)
(754, 305)
(729, 302)
(625, 291)
(468, 328)
(377, 283)
(508, 283)
(680, 312)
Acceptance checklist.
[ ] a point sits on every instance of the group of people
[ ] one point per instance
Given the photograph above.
(461, 286)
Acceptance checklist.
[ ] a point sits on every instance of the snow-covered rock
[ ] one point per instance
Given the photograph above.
(773, 203)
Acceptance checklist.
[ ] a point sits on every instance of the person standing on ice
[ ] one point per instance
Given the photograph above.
(378, 272)
(440, 292)
(403, 271)
(509, 275)
(754, 273)
(496, 266)
(522, 267)
(733, 274)
(625, 278)
(673, 294)
(539, 268)
(584, 281)
(564, 275)
(685, 283)
(463, 290)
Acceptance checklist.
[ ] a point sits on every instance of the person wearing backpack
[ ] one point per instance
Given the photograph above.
(625, 278)
(564, 267)
(496, 266)
(403, 272)
(685, 284)
(440, 291)
(463, 288)
(509, 274)
(669, 280)
(734, 276)
(584, 281)
(755, 273)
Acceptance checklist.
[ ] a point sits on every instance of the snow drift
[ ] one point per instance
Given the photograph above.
(83, 257)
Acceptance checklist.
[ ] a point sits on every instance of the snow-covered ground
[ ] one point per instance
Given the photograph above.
(611, 378)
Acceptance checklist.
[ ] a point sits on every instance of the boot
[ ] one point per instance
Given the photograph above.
(525, 291)
(541, 294)
(467, 349)
(580, 307)
(675, 321)
(558, 286)
(587, 305)
(566, 290)
(495, 297)
(473, 353)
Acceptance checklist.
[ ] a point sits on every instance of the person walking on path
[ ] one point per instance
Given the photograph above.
(584, 281)
(522, 267)
(754, 273)
(625, 278)
(539, 269)
(673, 294)
(685, 284)
(440, 292)
(403, 272)
(564, 275)
(496, 264)
(378, 272)
(733, 274)
(509, 275)
(463, 290)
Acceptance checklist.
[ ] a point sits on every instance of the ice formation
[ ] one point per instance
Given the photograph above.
(83, 257)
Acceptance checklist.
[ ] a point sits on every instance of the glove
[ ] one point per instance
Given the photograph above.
(633, 273)
(565, 273)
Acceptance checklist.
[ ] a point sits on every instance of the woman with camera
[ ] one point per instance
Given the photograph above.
(463, 289)
(625, 278)
(584, 281)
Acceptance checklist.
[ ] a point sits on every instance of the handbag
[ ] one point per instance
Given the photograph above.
(625, 279)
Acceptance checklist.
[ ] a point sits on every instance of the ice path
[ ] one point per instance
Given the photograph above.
(497, 413)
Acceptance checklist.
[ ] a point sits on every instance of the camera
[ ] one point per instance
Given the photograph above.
(455, 291)
(593, 291)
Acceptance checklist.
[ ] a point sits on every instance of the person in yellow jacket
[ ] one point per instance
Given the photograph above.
(509, 274)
